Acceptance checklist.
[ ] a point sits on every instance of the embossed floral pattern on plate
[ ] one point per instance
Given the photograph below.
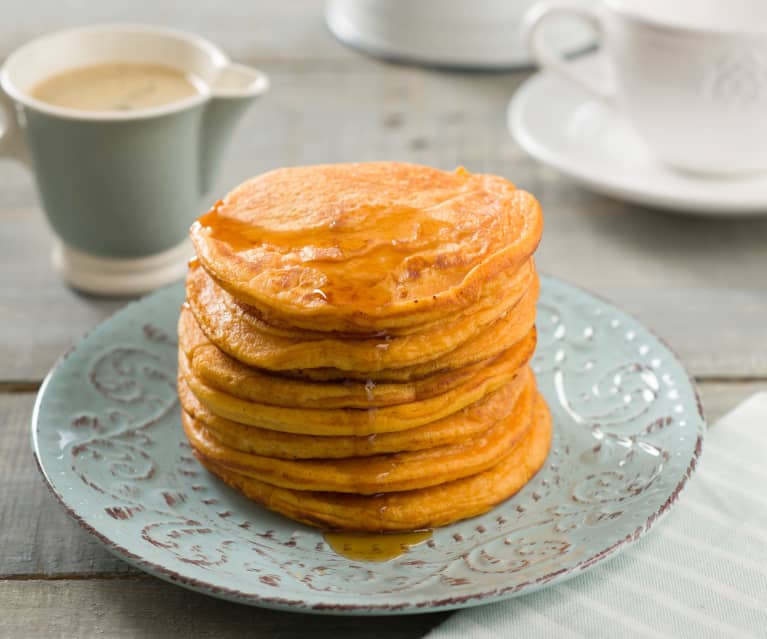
(628, 433)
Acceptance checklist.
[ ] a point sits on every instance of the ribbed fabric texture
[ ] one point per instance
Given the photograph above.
(701, 573)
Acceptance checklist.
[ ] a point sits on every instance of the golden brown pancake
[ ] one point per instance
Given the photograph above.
(365, 247)
(243, 336)
(352, 421)
(354, 345)
(410, 510)
(498, 295)
(225, 373)
(381, 473)
(459, 426)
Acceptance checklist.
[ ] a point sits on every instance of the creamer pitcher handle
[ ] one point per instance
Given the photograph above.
(232, 91)
(12, 144)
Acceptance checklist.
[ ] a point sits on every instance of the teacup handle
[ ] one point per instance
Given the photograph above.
(12, 144)
(554, 61)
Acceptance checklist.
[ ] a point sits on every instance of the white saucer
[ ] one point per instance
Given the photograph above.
(120, 277)
(446, 33)
(560, 125)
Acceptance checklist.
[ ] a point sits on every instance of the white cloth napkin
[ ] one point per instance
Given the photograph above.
(701, 573)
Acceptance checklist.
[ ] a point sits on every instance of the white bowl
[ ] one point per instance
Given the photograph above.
(481, 34)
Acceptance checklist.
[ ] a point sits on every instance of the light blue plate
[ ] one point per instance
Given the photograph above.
(628, 433)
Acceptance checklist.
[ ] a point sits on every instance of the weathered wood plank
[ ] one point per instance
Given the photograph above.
(39, 316)
(719, 398)
(144, 608)
(698, 283)
(39, 539)
(248, 31)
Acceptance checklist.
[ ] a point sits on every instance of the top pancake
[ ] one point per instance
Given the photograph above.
(365, 247)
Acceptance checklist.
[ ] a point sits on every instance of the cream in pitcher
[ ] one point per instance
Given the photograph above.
(116, 86)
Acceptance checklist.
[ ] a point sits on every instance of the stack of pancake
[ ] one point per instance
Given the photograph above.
(354, 346)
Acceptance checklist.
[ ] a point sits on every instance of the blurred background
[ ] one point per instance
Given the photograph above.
(329, 103)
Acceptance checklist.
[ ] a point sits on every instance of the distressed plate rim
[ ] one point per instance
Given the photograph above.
(338, 605)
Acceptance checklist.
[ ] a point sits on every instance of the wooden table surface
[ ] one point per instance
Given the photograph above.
(699, 283)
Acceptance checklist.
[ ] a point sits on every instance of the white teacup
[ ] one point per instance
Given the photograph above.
(691, 75)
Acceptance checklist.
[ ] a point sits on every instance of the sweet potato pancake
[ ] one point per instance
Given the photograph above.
(458, 426)
(228, 375)
(355, 341)
(411, 510)
(509, 310)
(379, 473)
(365, 247)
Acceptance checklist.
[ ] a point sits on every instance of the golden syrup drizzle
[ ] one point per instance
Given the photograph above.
(239, 235)
(364, 265)
(373, 546)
